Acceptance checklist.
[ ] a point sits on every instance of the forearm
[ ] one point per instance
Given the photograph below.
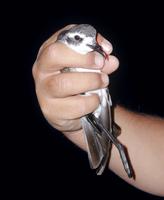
(144, 138)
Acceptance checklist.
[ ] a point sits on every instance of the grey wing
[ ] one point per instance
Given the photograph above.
(94, 147)
(106, 119)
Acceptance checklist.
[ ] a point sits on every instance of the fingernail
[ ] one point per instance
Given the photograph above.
(106, 45)
(105, 79)
(99, 60)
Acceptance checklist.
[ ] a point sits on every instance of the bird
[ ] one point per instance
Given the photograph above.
(100, 130)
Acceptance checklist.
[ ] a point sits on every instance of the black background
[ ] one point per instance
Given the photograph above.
(36, 154)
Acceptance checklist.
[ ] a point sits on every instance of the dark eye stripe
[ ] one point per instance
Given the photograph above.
(77, 37)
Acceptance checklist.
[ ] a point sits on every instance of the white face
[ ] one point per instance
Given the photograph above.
(82, 47)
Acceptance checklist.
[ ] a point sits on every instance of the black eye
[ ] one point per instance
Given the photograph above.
(78, 38)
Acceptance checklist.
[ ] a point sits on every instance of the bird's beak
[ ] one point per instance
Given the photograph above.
(99, 49)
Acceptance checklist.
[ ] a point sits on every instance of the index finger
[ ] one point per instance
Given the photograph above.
(58, 56)
(55, 56)
(53, 38)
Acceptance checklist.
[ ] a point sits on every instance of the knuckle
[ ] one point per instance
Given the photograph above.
(98, 80)
(117, 62)
(82, 106)
(79, 107)
(68, 125)
(51, 50)
(69, 26)
(60, 123)
(90, 59)
(44, 108)
(46, 45)
(95, 101)
(34, 71)
(61, 83)
(88, 104)
(93, 81)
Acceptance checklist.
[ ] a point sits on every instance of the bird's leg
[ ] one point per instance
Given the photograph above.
(122, 151)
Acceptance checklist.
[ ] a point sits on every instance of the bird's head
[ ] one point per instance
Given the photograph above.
(81, 38)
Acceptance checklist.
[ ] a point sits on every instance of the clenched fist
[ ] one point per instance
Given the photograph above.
(59, 93)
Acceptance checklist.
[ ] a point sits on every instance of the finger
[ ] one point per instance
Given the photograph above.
(69, 108)
(66, 125)
(53, 38)
(57, 56)
(111, 64)
(67, 84)
(105, 44)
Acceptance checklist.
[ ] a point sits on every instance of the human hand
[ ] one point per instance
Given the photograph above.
(59, 93)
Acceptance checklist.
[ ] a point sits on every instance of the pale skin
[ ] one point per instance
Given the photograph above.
(63, 106)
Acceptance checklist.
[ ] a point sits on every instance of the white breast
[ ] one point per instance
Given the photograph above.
(101, 92)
